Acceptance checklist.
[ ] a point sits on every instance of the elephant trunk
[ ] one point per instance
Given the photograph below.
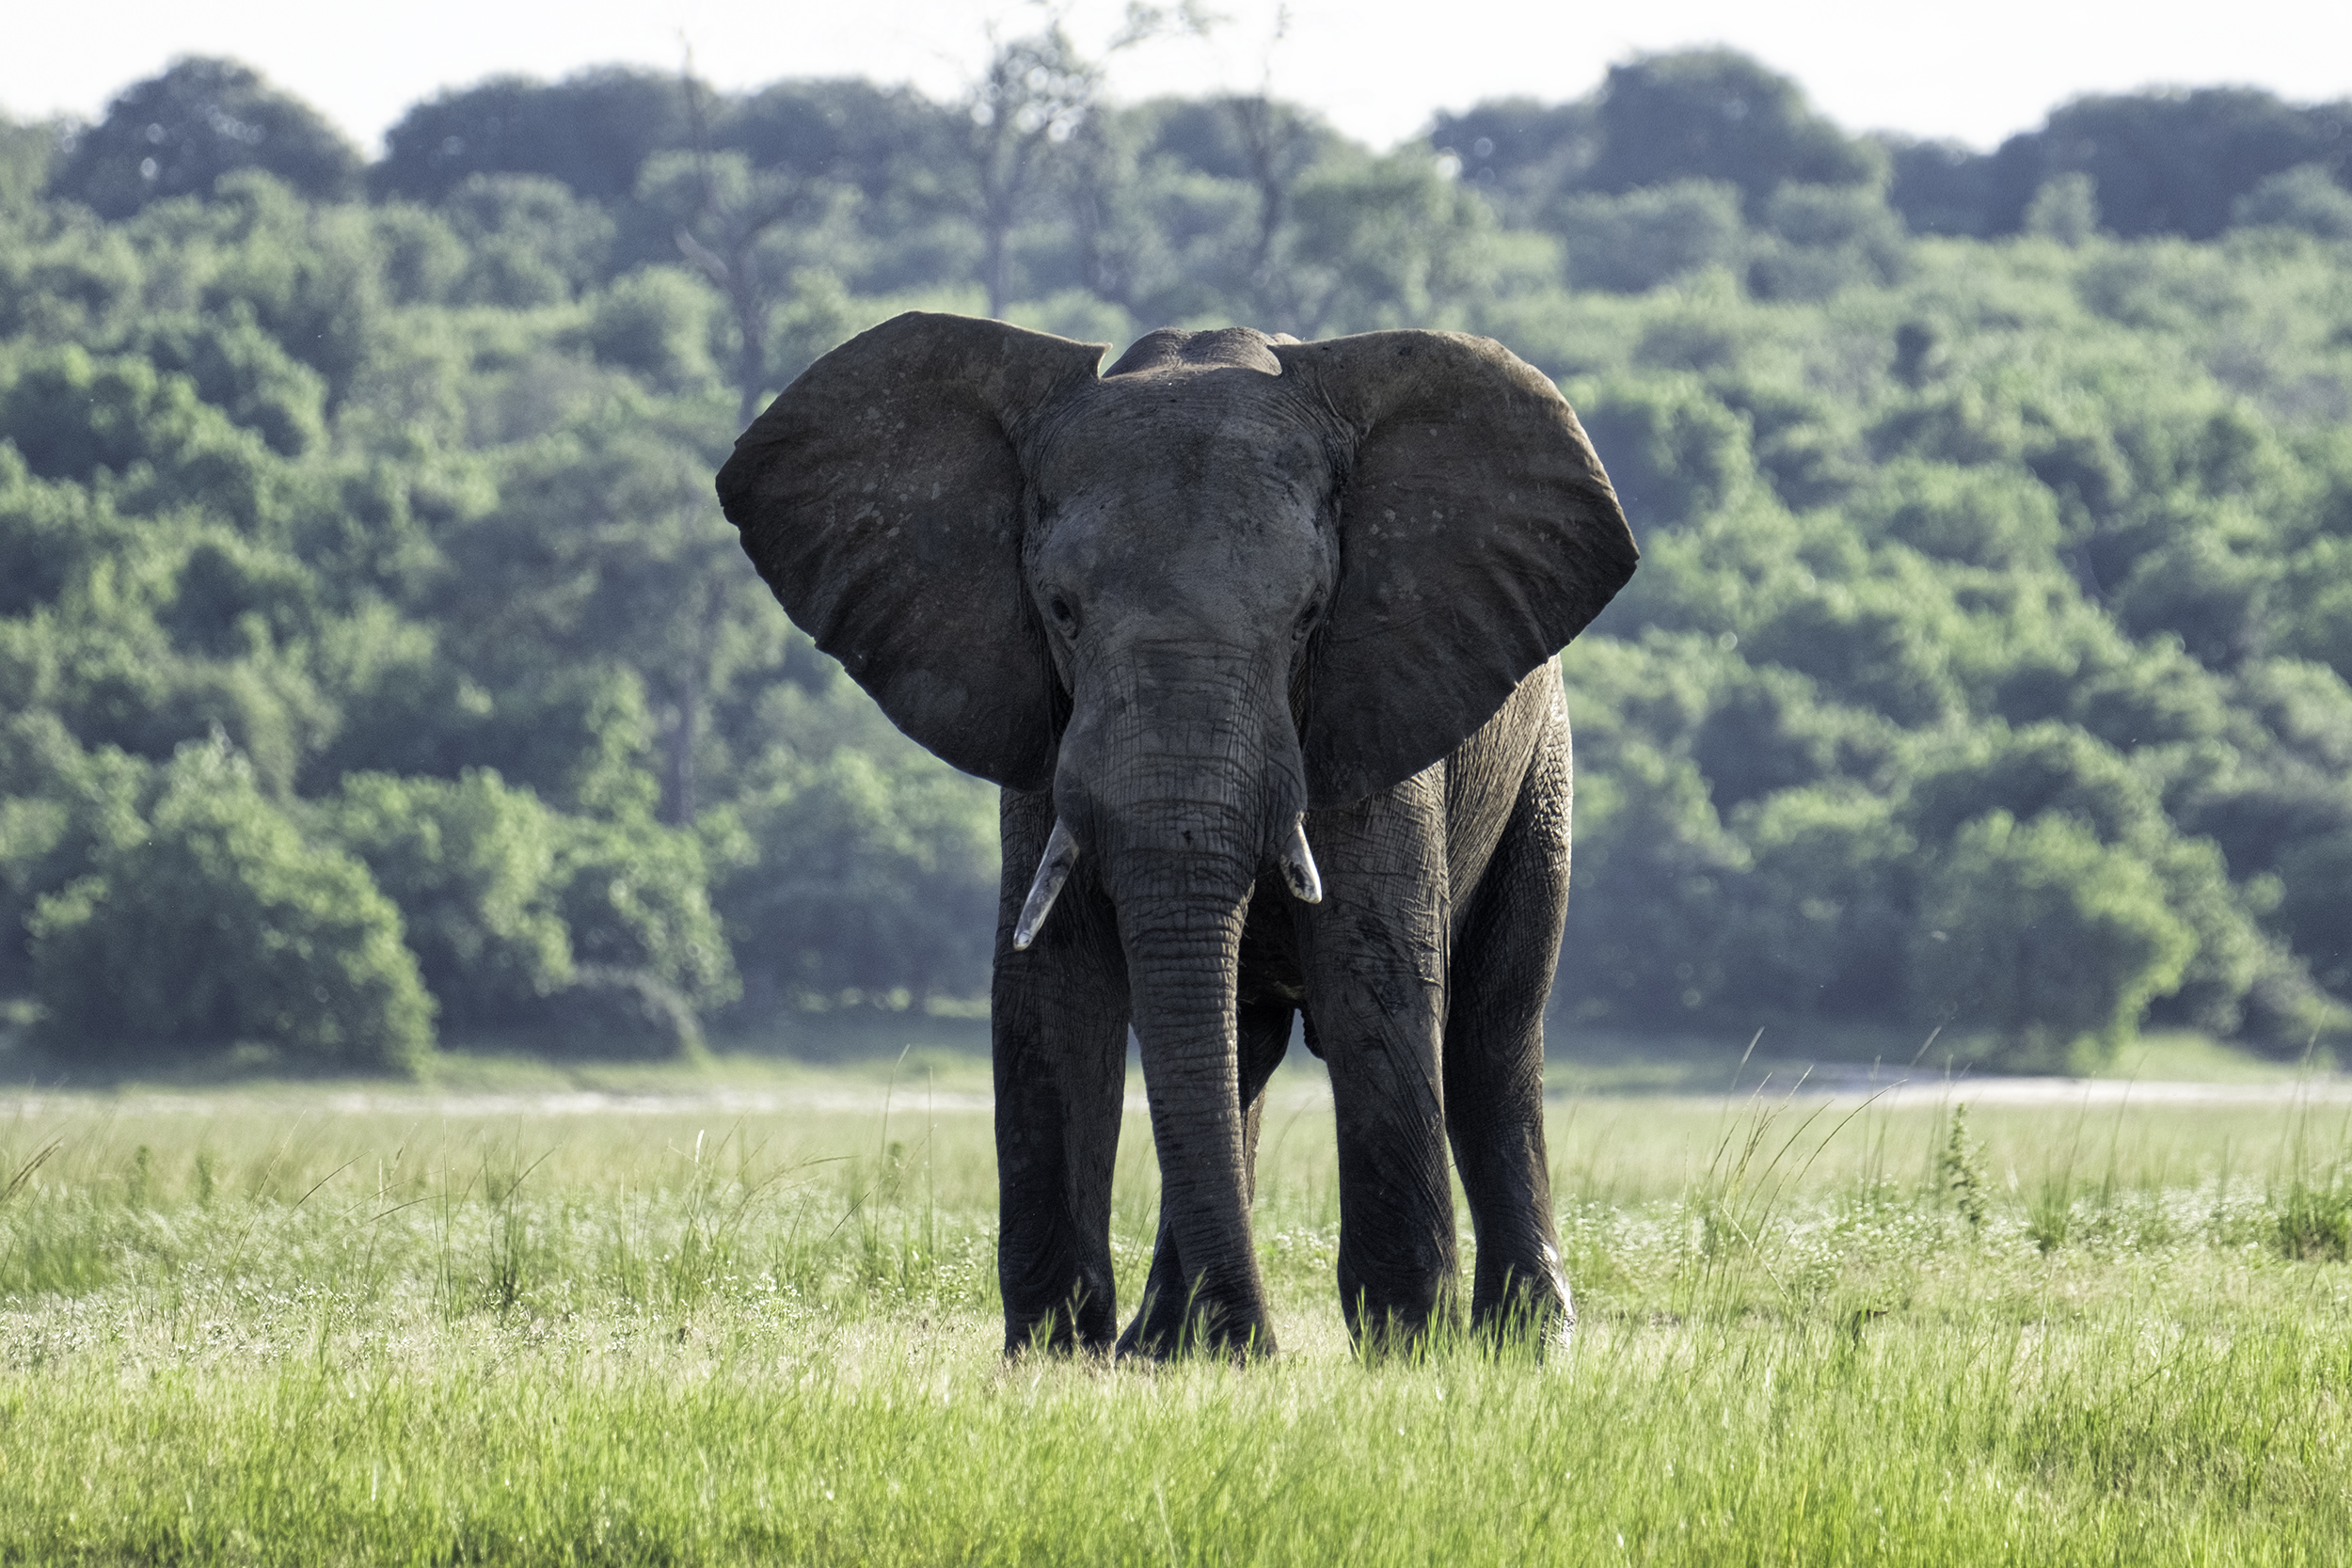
(1182, 777)
(1183, 956)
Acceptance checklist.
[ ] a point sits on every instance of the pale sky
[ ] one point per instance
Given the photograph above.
(1975, 71)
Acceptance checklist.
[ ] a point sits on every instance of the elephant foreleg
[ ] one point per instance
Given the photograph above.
(1057, 1019)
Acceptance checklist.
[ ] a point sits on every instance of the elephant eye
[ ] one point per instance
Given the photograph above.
(1063, 615)
(1309, 616)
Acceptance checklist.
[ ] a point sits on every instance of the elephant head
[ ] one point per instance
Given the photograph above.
(1234, 579)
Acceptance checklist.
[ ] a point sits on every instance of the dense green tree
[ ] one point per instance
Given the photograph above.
(2043, 939)
(2305, 197)
(649, 953)
(2208, 583)
(51, 533)
(72, 415)
(176, 133)
(1673, 451)
(2176, 163)
(240, 370)
(1656, 880)
(1714, 114)
(1822, 238)
(1650, 236)
(471, 865)
(1823, 911)
(874, 874)
(309, 274)
(1520, 154)
(591, 131)
(2314, 910)
(60, 804)
(747, 230)
(1981, 514)
(1766, 729)
(532, 241)
(1940, 187)
(848, 132)
(26, 153)
(2065, 209)
(65, 277)
(655, 322)
(1382, 242)
(2151, 163)
(1877, 642)
(607, 549)
(215, 922)
(2041, 769)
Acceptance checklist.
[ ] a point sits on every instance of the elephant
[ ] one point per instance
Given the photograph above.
(1258, 637)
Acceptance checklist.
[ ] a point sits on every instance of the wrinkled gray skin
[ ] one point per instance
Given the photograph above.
(1233, 580)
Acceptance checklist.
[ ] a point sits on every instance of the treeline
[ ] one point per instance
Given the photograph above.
(375, 667)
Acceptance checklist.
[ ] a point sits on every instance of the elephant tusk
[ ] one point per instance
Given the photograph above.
(1298, 866)
(1053, 869)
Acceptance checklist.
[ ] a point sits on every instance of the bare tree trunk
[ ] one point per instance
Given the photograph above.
(1003, 158)
(681, 737)
(1256, 116)
(751, 326)
(736, 273)
(1268, 136)
(737, 276)
(996, 280)
(684, 736)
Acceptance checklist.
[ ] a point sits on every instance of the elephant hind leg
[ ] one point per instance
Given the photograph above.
(1504, 955)
(1158, 1329)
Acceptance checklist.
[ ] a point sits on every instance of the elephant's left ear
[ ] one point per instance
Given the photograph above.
(1478, 533)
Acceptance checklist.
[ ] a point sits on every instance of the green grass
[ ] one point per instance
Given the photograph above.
(1600, 1062)
(755, 1321)
(2180, 1056)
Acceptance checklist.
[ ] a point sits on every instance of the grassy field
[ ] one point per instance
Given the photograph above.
(752, 1318)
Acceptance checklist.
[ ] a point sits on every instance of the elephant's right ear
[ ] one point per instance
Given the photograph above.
(882, 496)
